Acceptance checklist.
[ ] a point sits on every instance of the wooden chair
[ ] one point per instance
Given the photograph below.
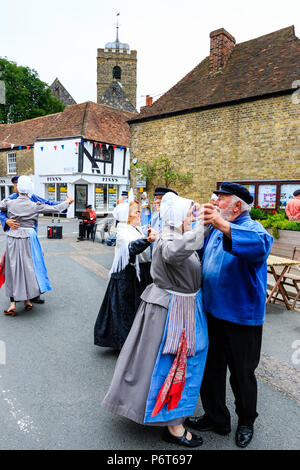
(292, 279)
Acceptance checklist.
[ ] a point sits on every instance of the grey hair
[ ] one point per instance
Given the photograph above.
(244, 205)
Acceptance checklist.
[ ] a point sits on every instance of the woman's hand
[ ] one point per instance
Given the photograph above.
(69, 199)
(152, 235)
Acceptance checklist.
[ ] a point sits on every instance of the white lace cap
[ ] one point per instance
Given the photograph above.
(174, 209)
(25, 185)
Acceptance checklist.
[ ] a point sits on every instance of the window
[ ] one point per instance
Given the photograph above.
(103, 154)
(117, 72)
(11, 163)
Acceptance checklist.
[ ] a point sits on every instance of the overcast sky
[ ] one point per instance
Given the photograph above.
(60, 38)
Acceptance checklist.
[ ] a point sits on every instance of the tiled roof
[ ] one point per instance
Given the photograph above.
(255, 68)
(88, 120)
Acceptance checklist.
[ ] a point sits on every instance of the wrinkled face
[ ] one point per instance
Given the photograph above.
(229, 208)
(134, 214)
(157, 201)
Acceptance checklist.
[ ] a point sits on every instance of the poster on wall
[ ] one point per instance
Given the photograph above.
(99, 199)
(286, 193)
(51, 193)
(267, 196)
(63, 193)
(112, 198)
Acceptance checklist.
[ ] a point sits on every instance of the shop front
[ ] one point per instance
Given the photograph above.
(102, 192)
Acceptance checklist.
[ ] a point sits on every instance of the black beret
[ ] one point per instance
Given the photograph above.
(124, 193)
(15, 179)
(88, 205)
(296, 193)
(159, 191)
(235, 189)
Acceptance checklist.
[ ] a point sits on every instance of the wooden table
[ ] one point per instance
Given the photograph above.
(285, 263)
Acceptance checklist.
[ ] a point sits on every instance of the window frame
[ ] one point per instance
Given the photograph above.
(9, 163)
(258, 183)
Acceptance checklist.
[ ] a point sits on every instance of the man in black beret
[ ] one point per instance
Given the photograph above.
(234, 273)
(159, 192)
(292, 209)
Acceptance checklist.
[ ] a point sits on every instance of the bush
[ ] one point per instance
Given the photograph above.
(277, 221)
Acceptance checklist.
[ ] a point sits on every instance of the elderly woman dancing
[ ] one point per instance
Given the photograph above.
(159, 371)
(130, 275)
(25, 271)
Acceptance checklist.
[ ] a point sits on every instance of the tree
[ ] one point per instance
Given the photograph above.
(162, 169)
(27, 96)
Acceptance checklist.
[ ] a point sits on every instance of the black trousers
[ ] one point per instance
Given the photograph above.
(85, 229)
(238, 348)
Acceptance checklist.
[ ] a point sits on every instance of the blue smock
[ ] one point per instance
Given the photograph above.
(234, 272)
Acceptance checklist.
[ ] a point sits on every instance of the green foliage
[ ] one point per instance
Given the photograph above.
(257, 213)
(162, 171)
(278, 221)
(27, 96)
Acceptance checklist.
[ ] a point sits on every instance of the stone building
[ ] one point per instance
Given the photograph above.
(59, 91)
(116, 75)
(82, 151)
(234, 117)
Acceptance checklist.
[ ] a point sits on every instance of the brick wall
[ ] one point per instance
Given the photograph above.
(259, 140)
(25, 162)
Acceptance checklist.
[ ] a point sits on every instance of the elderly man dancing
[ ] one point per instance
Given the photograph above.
(234, 274)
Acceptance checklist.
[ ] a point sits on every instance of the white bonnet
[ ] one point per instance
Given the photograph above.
(25, 185)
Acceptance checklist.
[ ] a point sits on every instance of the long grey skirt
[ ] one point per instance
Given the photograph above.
(20, 278)
(128, 392)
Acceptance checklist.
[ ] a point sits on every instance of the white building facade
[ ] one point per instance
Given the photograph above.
(90, 172)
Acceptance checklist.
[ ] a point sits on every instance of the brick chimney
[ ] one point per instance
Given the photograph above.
(221, 46)
(149, 100)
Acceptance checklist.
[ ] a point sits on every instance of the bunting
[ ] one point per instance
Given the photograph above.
(7, 145)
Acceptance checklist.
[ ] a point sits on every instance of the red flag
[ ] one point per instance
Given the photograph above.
(28, 147)
(55, 147)
(173, 386)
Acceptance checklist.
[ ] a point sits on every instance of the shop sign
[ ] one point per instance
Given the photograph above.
(54, 178)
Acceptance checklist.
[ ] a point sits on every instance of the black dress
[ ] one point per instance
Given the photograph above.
(121, 300)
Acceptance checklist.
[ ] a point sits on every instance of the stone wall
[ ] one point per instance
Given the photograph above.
(257, 140)
(106, 61)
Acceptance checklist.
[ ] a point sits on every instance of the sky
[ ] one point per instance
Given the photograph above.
(60, 38)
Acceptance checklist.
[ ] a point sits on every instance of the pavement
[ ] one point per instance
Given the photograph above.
(53, 378)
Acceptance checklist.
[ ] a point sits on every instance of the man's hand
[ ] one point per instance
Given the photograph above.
(12, 223)
(152, 235)
(211, 216)
(69, 199)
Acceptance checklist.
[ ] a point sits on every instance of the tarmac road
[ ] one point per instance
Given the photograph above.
(53, 378)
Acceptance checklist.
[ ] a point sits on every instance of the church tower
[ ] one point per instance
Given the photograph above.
(116, 74)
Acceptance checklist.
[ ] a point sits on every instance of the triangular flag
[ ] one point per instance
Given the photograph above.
(121, 148)
(62, 146)
(42, 148)
(4, 144)
(12, 146)
(95, 144)
(20, 146)
(76, 143)
(55, 147)
(27, 147)
(114, 147)
(100, 145)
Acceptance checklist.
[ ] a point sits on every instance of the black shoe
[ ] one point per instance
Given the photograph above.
(243, 435)
(37, 300)
(203, 423)
(195, 440)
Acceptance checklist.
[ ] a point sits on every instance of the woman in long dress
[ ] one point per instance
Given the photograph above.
(129, 276)
(159, 371)
(25, 271)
